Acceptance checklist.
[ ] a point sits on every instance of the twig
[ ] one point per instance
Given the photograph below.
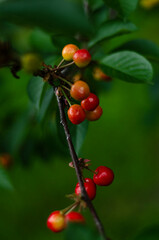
(77, 167)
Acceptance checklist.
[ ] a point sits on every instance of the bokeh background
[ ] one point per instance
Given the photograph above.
(125, 139)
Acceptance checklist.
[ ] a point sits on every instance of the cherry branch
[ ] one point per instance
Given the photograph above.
(74, 157)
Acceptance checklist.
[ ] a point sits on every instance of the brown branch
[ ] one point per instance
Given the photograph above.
(77, 167)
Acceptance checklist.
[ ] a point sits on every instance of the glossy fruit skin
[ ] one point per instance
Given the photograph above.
(82, 58)
(95, 114)
(89, 186)
(80, 90)
(56, 221)
(74, 217)
(68, 51)
(104, 176)
(76, 114)
(90, 103)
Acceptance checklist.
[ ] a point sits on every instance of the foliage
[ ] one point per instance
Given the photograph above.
(37, 128)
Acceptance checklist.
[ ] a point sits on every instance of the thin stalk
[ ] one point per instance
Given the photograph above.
(65, 95)
(77, 167)
(64, 66)
(64, 80)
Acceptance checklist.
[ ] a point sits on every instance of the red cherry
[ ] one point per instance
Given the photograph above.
(104, 176)
(89, 186)
(80, 90)
(56, 221)
(82, 58)
(68, 51)
(95, 114)
(76, 114)
(90, 103)
(74, 217)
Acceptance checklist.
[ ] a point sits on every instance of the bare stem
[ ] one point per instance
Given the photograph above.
(77, 167)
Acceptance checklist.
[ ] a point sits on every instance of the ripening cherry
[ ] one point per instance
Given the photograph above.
(56, 221)
(82, 58)
(95, 114)
(103, 176)
(68, 51)
(90, 188)
(90, 103)
(80, 90)
(76, 114)
(6, 160)
(74, 217)
(99, 75)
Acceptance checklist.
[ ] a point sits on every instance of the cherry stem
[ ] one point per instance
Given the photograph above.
(65, 95)
(78, 171)
(64, 80)
(64, 66)
(65, 88)
(60, 63)
(70, 208)
(90, 170)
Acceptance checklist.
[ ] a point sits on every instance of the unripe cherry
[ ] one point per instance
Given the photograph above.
(68, 51)
(95, 114)
(90, 188)
(74, 217)
(82, 58)
(30, 62)
(76, 114)
(80, 90)
(104, 176)
(90, 103)
(56, 221)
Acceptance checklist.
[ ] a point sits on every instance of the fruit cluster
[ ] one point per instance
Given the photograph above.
(103, 176)
(89, 107)
(58, 220)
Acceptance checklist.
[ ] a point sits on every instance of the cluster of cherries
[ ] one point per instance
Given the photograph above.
(89, 108)
(103, 176)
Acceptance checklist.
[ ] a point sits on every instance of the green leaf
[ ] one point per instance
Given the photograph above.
(145, 47)
(45, 102)
(151, 233)
(35, 89)
(78, 132)
(4, 180)
(111, 29)
(124, 7)
(128, 66)
(50, 15)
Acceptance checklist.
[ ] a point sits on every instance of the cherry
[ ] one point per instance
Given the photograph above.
(90, 103)
(95, 114)
(68, 51)
(30, 62)
(98, 74)
(76, 114)
(74, 217)
(90, 188)
(56, 221)
(80, 90)
(6, 160)
(104, 176)
(82, 58)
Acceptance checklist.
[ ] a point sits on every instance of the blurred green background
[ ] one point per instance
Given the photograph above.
(125, 139)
